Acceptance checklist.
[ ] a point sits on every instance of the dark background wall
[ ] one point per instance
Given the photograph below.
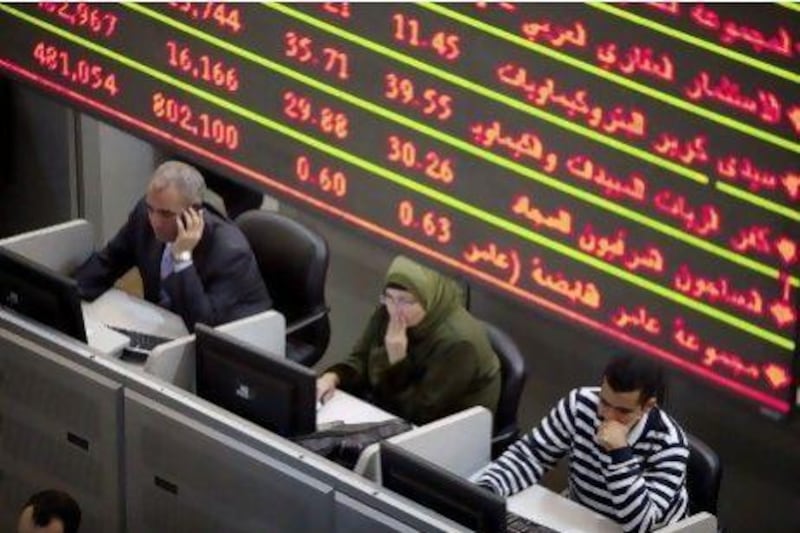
(761, 482)
(36, 169)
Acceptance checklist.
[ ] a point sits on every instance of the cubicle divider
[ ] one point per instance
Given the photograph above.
(142, 455)
(185, 476)
(60, 427)
(62, 247)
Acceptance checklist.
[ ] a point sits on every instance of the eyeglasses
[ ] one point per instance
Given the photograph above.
(385, 299)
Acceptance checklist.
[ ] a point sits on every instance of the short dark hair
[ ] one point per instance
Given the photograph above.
(50, 504)
(628, 373)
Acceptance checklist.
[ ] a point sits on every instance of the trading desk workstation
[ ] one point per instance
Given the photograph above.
(142, 452)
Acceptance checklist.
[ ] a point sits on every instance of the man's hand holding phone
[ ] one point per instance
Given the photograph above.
(190, 228)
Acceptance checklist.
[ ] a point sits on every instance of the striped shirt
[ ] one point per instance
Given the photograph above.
(642, 487)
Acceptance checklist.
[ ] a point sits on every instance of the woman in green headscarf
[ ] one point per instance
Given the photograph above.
(422, 355)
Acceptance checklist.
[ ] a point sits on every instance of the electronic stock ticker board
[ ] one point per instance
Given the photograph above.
(631, 168)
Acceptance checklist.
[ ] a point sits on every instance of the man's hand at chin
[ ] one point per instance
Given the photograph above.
(613, 435)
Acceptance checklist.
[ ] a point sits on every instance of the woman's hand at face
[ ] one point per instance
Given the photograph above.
(396, 340)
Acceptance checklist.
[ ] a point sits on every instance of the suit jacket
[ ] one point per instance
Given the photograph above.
(223, 284)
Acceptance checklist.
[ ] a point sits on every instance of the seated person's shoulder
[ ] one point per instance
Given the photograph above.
(665, 429)
(224, 234)
(460, 325)
(586, 398)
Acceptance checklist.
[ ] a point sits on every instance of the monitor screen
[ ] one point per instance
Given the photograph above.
(40, 294)
(271, 391)
(437, 489)
(631, 169)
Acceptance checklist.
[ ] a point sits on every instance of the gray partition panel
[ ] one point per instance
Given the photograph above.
(353, 516)
(62, 247)
(185, 476)
(60, 426)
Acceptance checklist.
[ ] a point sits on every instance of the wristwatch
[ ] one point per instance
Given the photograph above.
(182, 257)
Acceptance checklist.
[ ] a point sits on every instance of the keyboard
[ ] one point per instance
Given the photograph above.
(518, 524)
(140, 341)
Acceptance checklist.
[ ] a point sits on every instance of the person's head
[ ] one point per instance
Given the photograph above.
(631, 387)
(50, 511)
(173, 187)
(417, 293)
(398, 299)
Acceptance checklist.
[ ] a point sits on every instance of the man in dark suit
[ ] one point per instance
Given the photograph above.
(193, 261)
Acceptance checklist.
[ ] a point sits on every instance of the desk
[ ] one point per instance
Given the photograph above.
(351, 410)
(557, 512)
(117, 308)
(472, 430)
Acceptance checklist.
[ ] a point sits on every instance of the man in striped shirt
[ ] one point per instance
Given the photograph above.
(627, 458)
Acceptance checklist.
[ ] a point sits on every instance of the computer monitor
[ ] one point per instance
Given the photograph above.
(271, 391)
(439, 490)
(40, 294)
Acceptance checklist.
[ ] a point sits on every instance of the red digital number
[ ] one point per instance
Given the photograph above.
(298, 47)
(340, 9)
(83, 15)
(297, 107)
(336, 62)
(328, 180)
(80, 71)
(429, 223)
(301, 109)
(224, 16)
(431, 102)
(407, 31)
(437, 104)
(399, 88)
(202, 67)
(432, 164)
(301, 49)
(201, 125)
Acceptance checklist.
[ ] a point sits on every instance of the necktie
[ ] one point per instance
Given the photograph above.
(167, 265)
(167, 262)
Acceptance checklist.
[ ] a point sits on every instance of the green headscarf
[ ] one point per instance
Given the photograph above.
(439, 295)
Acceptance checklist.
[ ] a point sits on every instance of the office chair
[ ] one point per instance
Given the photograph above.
(293, 260)
(703, 477)
(513, 375)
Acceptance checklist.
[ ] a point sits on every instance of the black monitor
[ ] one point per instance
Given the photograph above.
(40, 294)
(444, 492)
(268, 390)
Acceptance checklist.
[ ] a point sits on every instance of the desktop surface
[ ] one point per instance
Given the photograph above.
(115, 321)
(120, 309)
(344, 407)
(558, 512)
